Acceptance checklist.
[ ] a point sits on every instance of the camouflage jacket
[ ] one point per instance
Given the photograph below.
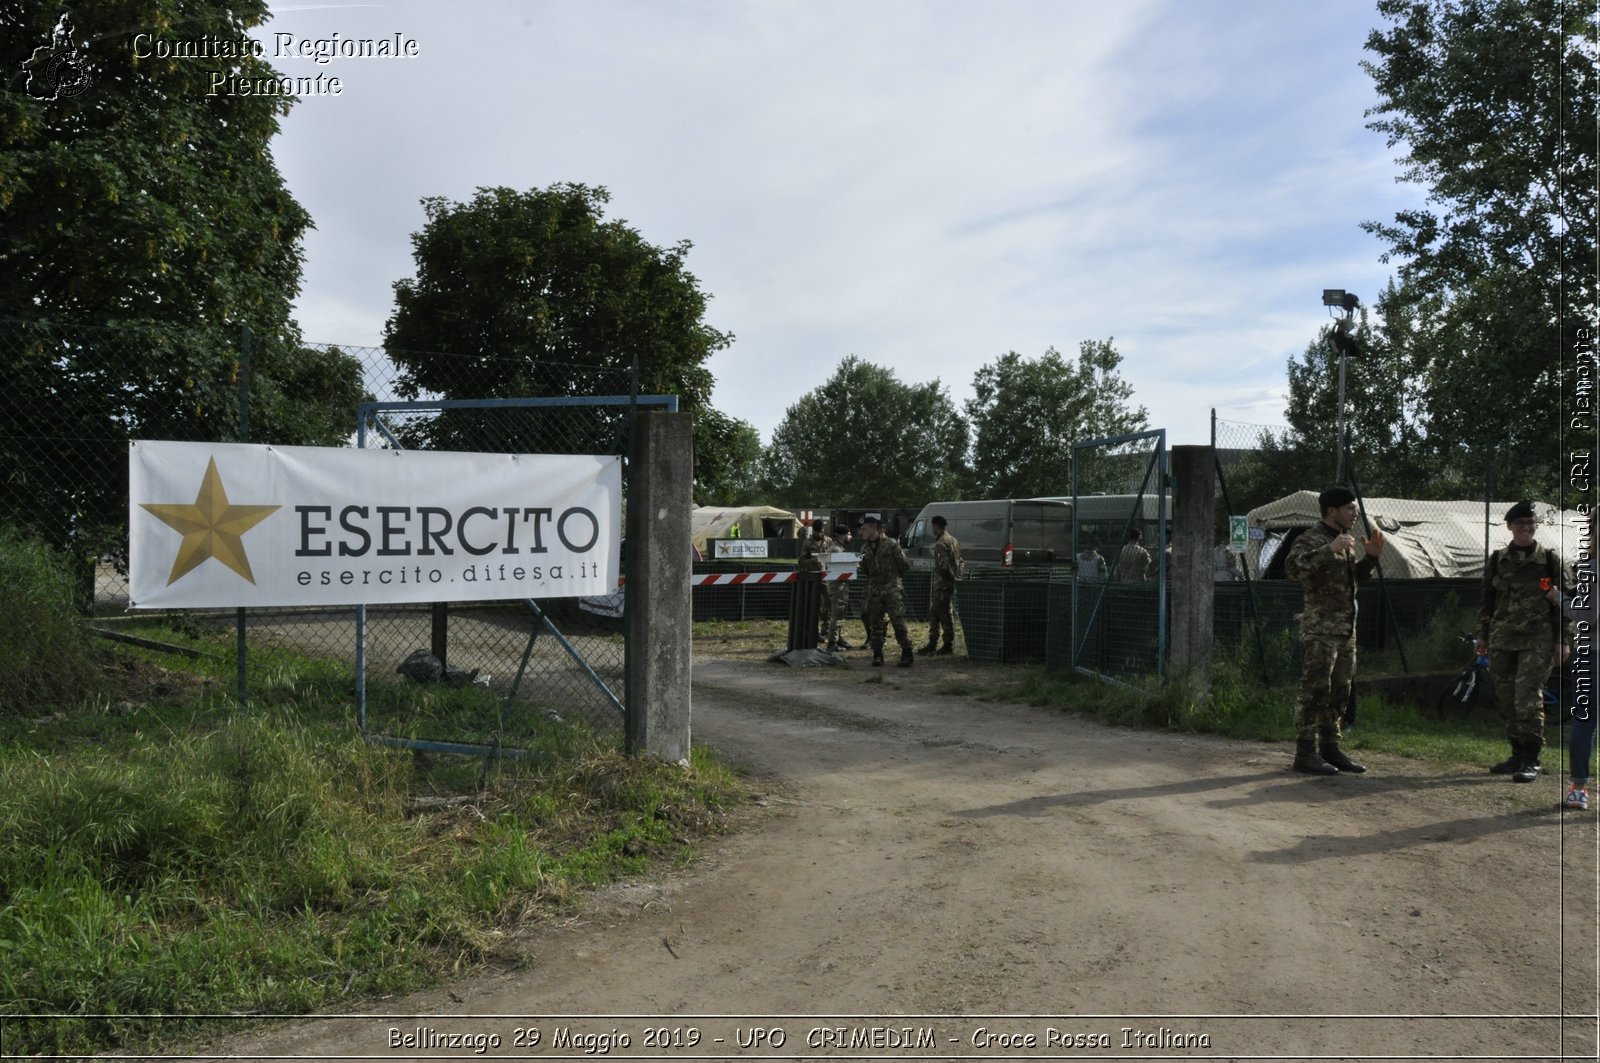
(1515, 614)
(811, 551)
(1330, 581)
(1133, 564)
(946, 559)
(882, 564)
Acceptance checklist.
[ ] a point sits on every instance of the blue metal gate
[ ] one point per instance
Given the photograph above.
(521, 692)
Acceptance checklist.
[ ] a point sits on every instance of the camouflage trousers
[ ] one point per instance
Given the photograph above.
(940, 615)
(886, 604)
(1519, 677)
(835, 604)
(1327, 668)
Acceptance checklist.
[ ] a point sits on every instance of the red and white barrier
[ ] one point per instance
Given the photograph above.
(732, 579)
(729, 579)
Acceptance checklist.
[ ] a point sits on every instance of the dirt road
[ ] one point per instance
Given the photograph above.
(962, 876)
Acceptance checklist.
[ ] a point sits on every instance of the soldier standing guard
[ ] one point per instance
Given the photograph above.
(946, 570)
(812, 550)
(1525, 636)
(1323, 559)
(882, 565)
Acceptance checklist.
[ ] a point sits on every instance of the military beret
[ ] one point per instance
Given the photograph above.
(1521, 511)
(1334, 497)
(841, 529)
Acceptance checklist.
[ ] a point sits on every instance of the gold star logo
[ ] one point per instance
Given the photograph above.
(211, 527)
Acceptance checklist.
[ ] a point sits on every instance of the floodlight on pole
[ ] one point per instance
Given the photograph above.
(1344, 345)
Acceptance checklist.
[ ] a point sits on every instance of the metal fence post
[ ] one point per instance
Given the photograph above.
(244, 437)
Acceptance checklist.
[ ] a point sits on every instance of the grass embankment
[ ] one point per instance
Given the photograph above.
(182, 857)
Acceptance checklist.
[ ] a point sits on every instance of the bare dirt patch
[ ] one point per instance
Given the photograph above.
(929, 855)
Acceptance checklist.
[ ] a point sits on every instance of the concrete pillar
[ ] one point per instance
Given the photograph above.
(1194, 490)
(659, 598)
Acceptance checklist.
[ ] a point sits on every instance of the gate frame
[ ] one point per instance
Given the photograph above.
(371, 411)
(1156, 463)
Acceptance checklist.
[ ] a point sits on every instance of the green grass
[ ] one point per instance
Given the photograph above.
(45, 661)
(1239, 706)
(1438, 649)
(184, 857)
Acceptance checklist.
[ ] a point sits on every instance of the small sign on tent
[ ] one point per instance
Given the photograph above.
(727, 549)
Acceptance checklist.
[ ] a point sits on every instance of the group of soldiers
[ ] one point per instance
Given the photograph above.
(1524, 624)
(1525, 627)
(881, 567)
(1134, 563)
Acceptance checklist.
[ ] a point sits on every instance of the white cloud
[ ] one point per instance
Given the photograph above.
(923, 184)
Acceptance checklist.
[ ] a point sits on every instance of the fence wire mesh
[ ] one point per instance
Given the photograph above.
(1442, 525)
(1438, 531)
(77, 395)
(1003, 613)
(1119, 614)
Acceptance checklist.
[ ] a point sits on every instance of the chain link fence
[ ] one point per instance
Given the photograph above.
(1120, 543)
(1004, 613)
(1437, 530)
(77, 395)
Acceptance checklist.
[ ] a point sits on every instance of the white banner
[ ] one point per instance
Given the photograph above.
(232, 524)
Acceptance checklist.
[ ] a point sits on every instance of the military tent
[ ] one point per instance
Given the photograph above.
(740, 522)
(1425, 539)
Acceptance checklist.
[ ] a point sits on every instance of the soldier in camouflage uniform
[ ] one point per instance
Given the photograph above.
(812, 550)
(1524, 635)
(942, 589)
(882, 565)
(1323, 558)
(835, 593)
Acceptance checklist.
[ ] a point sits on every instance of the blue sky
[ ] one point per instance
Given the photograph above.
(925, 185)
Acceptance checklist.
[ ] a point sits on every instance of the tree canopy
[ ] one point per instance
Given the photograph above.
(143, 226)
(1493, 103)
(864, 438)
(537, 294)
(727, 465)
(141, 197)
(1027, 413)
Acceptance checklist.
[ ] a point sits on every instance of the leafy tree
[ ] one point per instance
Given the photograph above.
(1280, 464)
(865, 439)
(143, 223)
(527, 294)
(727, 467)
(1390, 454)
(1027, 413)
(1494, 103)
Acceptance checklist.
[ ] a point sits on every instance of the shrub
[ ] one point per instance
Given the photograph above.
(44, 649)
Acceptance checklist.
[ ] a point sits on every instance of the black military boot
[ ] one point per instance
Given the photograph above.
(933, 644)
(1336, 756)
(1307, 760)
(1509, 765)
(1530, 766)
(877, 656)
(905, 657)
